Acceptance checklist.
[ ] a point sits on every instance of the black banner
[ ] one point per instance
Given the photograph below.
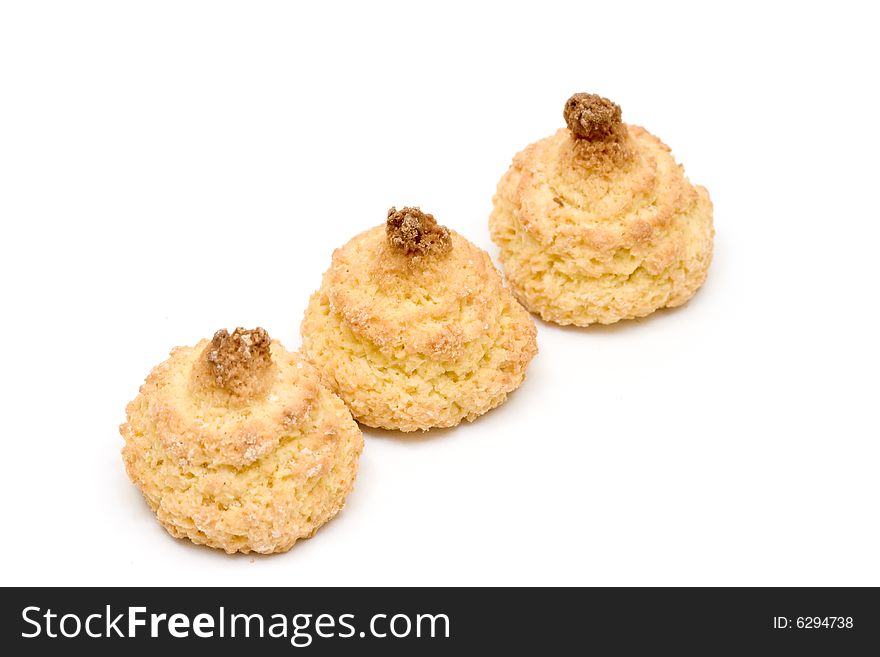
(440, 621)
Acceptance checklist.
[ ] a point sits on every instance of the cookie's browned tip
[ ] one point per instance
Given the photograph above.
(591, 117)
(233, 360)
(416, 233)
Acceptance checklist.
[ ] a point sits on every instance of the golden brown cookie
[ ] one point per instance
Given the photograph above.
(414, 328)
(598, 223)
(236, 444)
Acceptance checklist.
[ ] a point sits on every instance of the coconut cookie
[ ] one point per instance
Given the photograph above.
(414, 328)
(598, 223)
(236, 444)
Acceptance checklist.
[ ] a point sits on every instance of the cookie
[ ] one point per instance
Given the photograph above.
(598, 223)
(414, 329)
(237, 445)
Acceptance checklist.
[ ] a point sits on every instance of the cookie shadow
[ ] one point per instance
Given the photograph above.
(623, 326)
(412, 436)
(444, 433)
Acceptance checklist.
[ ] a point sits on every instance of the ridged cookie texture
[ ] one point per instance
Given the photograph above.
(598, 223)
(414, 328)
(237, 445)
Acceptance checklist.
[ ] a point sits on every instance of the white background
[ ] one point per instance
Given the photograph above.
(170, 168)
